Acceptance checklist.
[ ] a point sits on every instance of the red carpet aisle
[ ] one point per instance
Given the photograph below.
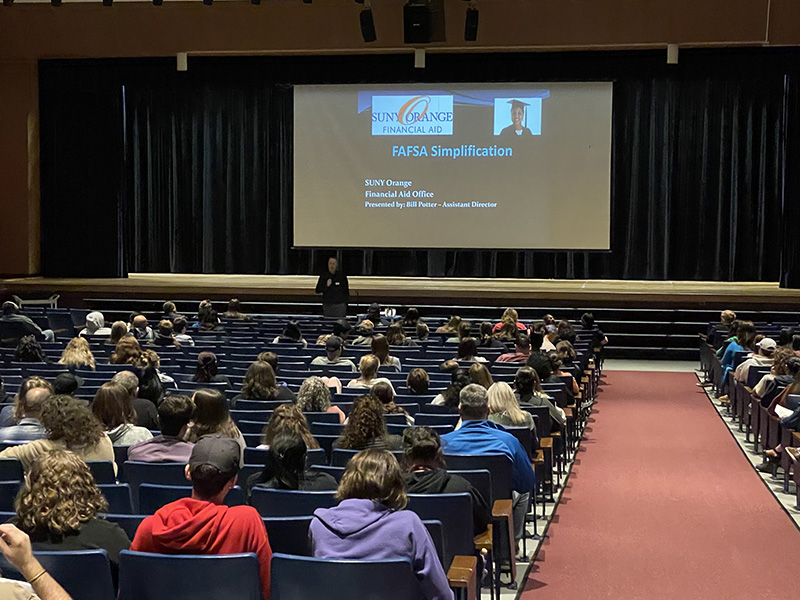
(664, 506)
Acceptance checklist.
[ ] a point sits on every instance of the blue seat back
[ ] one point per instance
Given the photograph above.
(129, 523)
(84, 574)
(289, 535)
(454, 511)
(145, 576)
(340, 457)
(423, 418)
(102, 471)
(119, 497)
(8, 492)
(10, 469)
(290, 503)
(499, 465)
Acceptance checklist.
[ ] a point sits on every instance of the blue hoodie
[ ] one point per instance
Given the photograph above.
(359, 529)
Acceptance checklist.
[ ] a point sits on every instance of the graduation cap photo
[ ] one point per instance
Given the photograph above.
(512, 116)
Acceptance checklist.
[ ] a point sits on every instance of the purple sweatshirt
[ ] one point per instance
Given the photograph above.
(361, 529)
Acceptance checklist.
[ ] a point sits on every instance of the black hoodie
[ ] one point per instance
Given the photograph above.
(439, 481)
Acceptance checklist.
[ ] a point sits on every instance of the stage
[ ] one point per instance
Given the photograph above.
(419, 290)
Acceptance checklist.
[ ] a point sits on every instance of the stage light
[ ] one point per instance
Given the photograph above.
(158, 2)
(367, 24)
(208, 2)
(471, 23)
(108, 2)
(55, 2)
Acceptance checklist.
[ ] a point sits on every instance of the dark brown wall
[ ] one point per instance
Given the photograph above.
(88, 30)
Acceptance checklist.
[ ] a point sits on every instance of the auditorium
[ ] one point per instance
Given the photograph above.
(399, 299)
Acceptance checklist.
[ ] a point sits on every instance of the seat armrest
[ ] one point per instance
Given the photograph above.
(538, 459)
(546, 442)
(568, 412)
(463, 575)
(502, 509)
(485, 540)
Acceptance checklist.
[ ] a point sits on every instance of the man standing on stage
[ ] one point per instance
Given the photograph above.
(335, 291)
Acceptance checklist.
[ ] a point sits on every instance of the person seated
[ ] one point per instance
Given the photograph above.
(385, 394)
(540, 362)
(504, 409)
(468, 352)
(366, 330)
(451, 326)
(208, 370)
(786, 408)
(762, 357)
(590, 330)
(112, 407)
(478, 373)
(285, 467)
(410, 320)
(370, 524)
(510, 315)
(234, 311)
(211, 415)
(380, 348)
(16, 548)
(58, 507)
(487, 339)
(315, 396)
(478, 435)
(179, 331)
(464, 332)
(529, 392)
(718, 332)
(459, 379)
(10, 415)
(127, 352)
(418, 382)
(287, 417)
(144, 409)
(366, 428)
(522, 351)
(333, 358)
(165, 334)
(291, 335)
(340, 329)
(744, 341)
(558, 373)
(119, 329)
(95, 325)
(14, 326)
(203, 524)
(550, 337)
(70, 425)
(170, 311)
(395, 336)
(260, 384)
(423, 331)
(174, 415)
(77, 355)
(29, 427)
(507, 332)
(368, 367)
(29, 350)
(141, 329)
(207, 318)
(426, 473)
(771, 384)
(566, 333)
(374, 314)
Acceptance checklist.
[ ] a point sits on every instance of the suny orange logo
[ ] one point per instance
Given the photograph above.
(407, 115)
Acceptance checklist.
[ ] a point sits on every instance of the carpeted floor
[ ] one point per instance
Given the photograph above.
(663, 506)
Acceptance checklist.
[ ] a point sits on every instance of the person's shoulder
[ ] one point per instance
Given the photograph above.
(244, 514)
(104, 527)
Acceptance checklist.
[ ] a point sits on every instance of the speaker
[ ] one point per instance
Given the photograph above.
(423, 21)
(367, 25)
(471, 25)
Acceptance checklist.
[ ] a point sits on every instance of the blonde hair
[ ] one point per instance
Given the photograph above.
(479, 374)
(368, 366)
(502, 400)
(77, 353)
(374, 475)
(59, 497)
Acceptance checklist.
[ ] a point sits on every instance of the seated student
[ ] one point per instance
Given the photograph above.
(468, 352)
(119, 329)
(763, 357)
(478, 373)
(507, 332)
(566, 352)
(170, 311)
(207, 318)
(203, 524)
(380, 348)
(315, 396)
(504, 408)
(449, 398)
(487, 339)
(464, 331)
(411, 319)
(771, 384)
(540, 362)
(287, 417)
(144, 409)
(423, 331)
(29, 350)
(395, 336)
(566, 333)
(368, 366)
(333, 357)
(451, 326)
(112, 407)
(95, 324)
(374, 314)
(208, 370)
(385, 395)
(550, 336)
(126, 352)
(211, 415)
(744, 341)
(426, 473)
(10, 415)
(522, 350)
(16, 548)
(179, 330)
(259, 384)
(14, 325)
(418, 382)
(510, 315)
(529, 393)
(366, 428)
(174, 415)
(58, 508)
(555, 366)
(234, 311)
(590, 330)
(285, 467)
(29, 427)
(370, 524)
(70, 425)
(718, 332)
(141, 329)
(366, 329)
(77, 355)
(165, 334)
(291, 335)
(787, 410)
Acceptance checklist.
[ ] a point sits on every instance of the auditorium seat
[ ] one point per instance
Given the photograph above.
(290, 503)
(289, 535)
(84, 574)
(119, 498)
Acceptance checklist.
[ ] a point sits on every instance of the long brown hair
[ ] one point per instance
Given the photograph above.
(374, 475)
(112, 406)
(380, 348)
(211, 415)
(287, 417)
(77, 353)
(259, 382)
(364, 425)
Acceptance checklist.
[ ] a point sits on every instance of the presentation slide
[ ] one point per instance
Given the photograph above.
(491, 166)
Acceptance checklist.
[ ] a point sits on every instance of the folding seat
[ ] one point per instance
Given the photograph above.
(84, 574)
(119, 498)
(288, 535)
(290, 503)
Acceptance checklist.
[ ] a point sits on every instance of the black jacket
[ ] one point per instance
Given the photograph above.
(338, 292)
(439, 481)
(312, 481)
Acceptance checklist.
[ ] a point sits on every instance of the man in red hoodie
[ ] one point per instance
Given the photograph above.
(203, 524)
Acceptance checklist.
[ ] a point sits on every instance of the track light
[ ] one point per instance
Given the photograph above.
(367, 24)
(471, 23)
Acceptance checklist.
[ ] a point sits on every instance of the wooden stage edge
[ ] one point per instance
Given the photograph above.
(423, 290)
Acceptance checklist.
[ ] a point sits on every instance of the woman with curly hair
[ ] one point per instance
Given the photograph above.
(211, 415)
(366, 428)
(507, 330)
(70, 425)
(208, 370)
(126, 352)
(397, 337)
(315, 396)
(370, 523)
(260, 384)
(77, 355)
(58, 507)
(112, 407)
(29, 350)
(287, 417)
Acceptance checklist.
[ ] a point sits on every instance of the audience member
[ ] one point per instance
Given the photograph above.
(203, 524)
(426, 473)
(165, 335)
(762, 357)
(550, 336)
(179, 330)
(10, 415)
(718, 332)
(126, 352)
(418, 382)
(70, 425)
(77, 355)
(395, 336)
(151, 386)
(260, 384)
(423, 331)
(207, 318)
(369, 523)
(144, 409)
(778, 377)
(558, 374)
(333, 358)
(366, 428)
(112, 407)
(504, 408)
(451, 326)
(287, 417)
(478, 373)
(291, 335)
(459, 379)
(208, 370)
(119, 329)
(170, 311)
(95, 324)
(234, 311)
(29, 427)
(211, 415)
(368, 367)
(374, 314)
(66, 384)
(315, 396)
(522, 351)
(174, 415)
(411, 319)
(385, 395)
(29, 350)
(487, 339)
(478, 435)
(566, 333)
(380, 348)
(365, 329)
(14, 325)
(464, 331)
(529, 393)
(468, 352)
(141, 329)
(509, 315)
(16, 548)
(590, 329)
(507, 332)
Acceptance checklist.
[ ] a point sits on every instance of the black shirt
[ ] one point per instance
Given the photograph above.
(146, 413)
(439, 481)
(338, 292)
(284, 393)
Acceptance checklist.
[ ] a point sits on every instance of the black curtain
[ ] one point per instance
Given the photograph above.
(698, 171)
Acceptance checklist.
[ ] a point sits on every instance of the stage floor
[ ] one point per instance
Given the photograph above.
(517, 292)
